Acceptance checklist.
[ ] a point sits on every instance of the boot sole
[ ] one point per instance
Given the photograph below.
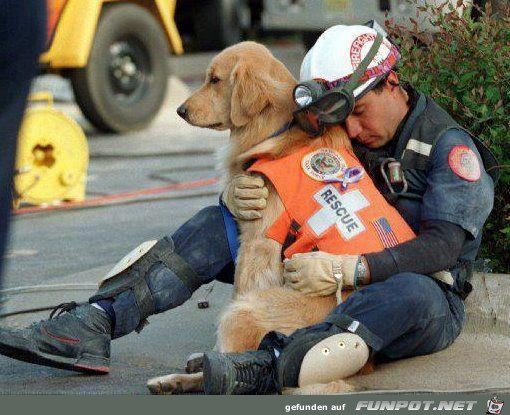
(85, 364)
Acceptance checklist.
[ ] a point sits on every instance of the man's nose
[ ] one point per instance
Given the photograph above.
(353, 127)
(182, 111)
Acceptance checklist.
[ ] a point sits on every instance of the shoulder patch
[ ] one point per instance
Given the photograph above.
(323, 164)
(464, 163)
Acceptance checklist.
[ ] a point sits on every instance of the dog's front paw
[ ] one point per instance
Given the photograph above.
(176, 383)
(165, 385)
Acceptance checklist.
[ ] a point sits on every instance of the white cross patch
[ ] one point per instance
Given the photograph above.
(340, 210)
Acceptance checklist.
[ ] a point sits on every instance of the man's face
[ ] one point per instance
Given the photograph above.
(376, 117)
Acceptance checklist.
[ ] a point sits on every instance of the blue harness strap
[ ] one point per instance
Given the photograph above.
(284, 128)
(231, 230)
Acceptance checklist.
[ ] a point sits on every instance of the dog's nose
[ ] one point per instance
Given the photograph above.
(182, 111)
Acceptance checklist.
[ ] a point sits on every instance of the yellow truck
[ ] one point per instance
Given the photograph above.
(115, 54)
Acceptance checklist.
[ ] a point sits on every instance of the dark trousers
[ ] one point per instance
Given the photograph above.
(22, 34)
(406, 315)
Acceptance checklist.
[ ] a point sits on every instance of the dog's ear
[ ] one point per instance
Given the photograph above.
(250, 93)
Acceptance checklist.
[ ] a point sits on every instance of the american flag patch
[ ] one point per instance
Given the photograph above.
(385, 233)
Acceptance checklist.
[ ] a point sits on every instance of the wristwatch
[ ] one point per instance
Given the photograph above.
(360, 272)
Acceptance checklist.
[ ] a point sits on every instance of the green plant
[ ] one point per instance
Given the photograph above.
(465, 67)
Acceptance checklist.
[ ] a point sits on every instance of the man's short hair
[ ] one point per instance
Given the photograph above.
(378, 88)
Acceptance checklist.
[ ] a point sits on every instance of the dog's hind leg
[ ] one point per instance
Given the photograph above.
(238, 329)
(247, 320)
(176, 383)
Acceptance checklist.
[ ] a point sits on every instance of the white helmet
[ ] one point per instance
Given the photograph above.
(340, 49)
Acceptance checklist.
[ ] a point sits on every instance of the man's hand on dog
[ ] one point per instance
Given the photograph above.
(245, 196)
(320, 273)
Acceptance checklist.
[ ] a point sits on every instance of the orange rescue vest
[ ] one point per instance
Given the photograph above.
(322, 213)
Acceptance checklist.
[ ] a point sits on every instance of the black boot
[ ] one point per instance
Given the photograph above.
(252, 372)
(78, 340)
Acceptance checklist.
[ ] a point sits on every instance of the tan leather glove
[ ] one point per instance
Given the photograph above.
(320, 273)
(245, 196)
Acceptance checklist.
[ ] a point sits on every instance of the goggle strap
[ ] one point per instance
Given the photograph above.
(354, 81)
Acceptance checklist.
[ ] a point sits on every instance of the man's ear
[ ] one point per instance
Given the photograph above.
(392, 80)
(250, 94)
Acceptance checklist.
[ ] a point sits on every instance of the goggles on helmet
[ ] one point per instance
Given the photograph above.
(323, 102)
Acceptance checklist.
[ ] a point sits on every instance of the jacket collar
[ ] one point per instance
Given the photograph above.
(418, 103)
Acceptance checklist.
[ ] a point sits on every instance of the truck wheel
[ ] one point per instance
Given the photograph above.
(124, 83)
(217, 24)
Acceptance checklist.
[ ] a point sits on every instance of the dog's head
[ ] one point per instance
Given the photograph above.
(241, 82)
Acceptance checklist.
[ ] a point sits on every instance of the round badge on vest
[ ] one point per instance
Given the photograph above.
(323, 164)
(464, 163)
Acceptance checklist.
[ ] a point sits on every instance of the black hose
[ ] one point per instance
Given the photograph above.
(39, 289)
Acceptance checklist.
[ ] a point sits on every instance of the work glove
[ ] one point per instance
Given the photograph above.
(245, 196)
(320, 273)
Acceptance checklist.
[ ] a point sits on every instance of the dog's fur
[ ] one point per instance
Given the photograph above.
(249, 91)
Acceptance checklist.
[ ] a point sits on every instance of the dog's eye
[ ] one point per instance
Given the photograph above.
(214, 80)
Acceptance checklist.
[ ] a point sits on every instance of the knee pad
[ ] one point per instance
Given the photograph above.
(129, 274)
(329, 351)
(336, 357)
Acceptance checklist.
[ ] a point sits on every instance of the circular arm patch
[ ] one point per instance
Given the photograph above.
(464, 163)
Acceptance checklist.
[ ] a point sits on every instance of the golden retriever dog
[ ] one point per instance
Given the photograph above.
(248, 91)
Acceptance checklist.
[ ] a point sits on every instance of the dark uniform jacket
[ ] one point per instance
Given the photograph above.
(448, 190)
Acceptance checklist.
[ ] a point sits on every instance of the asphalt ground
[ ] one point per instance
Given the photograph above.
(80, 246)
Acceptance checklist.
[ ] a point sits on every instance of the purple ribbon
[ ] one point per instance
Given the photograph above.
(351, 175)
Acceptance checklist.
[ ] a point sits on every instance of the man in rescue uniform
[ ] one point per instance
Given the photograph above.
(432, 170)
(445, 194)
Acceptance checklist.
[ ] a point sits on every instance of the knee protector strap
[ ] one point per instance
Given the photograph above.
(348, 324)
(130, 272)
(288, 364)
